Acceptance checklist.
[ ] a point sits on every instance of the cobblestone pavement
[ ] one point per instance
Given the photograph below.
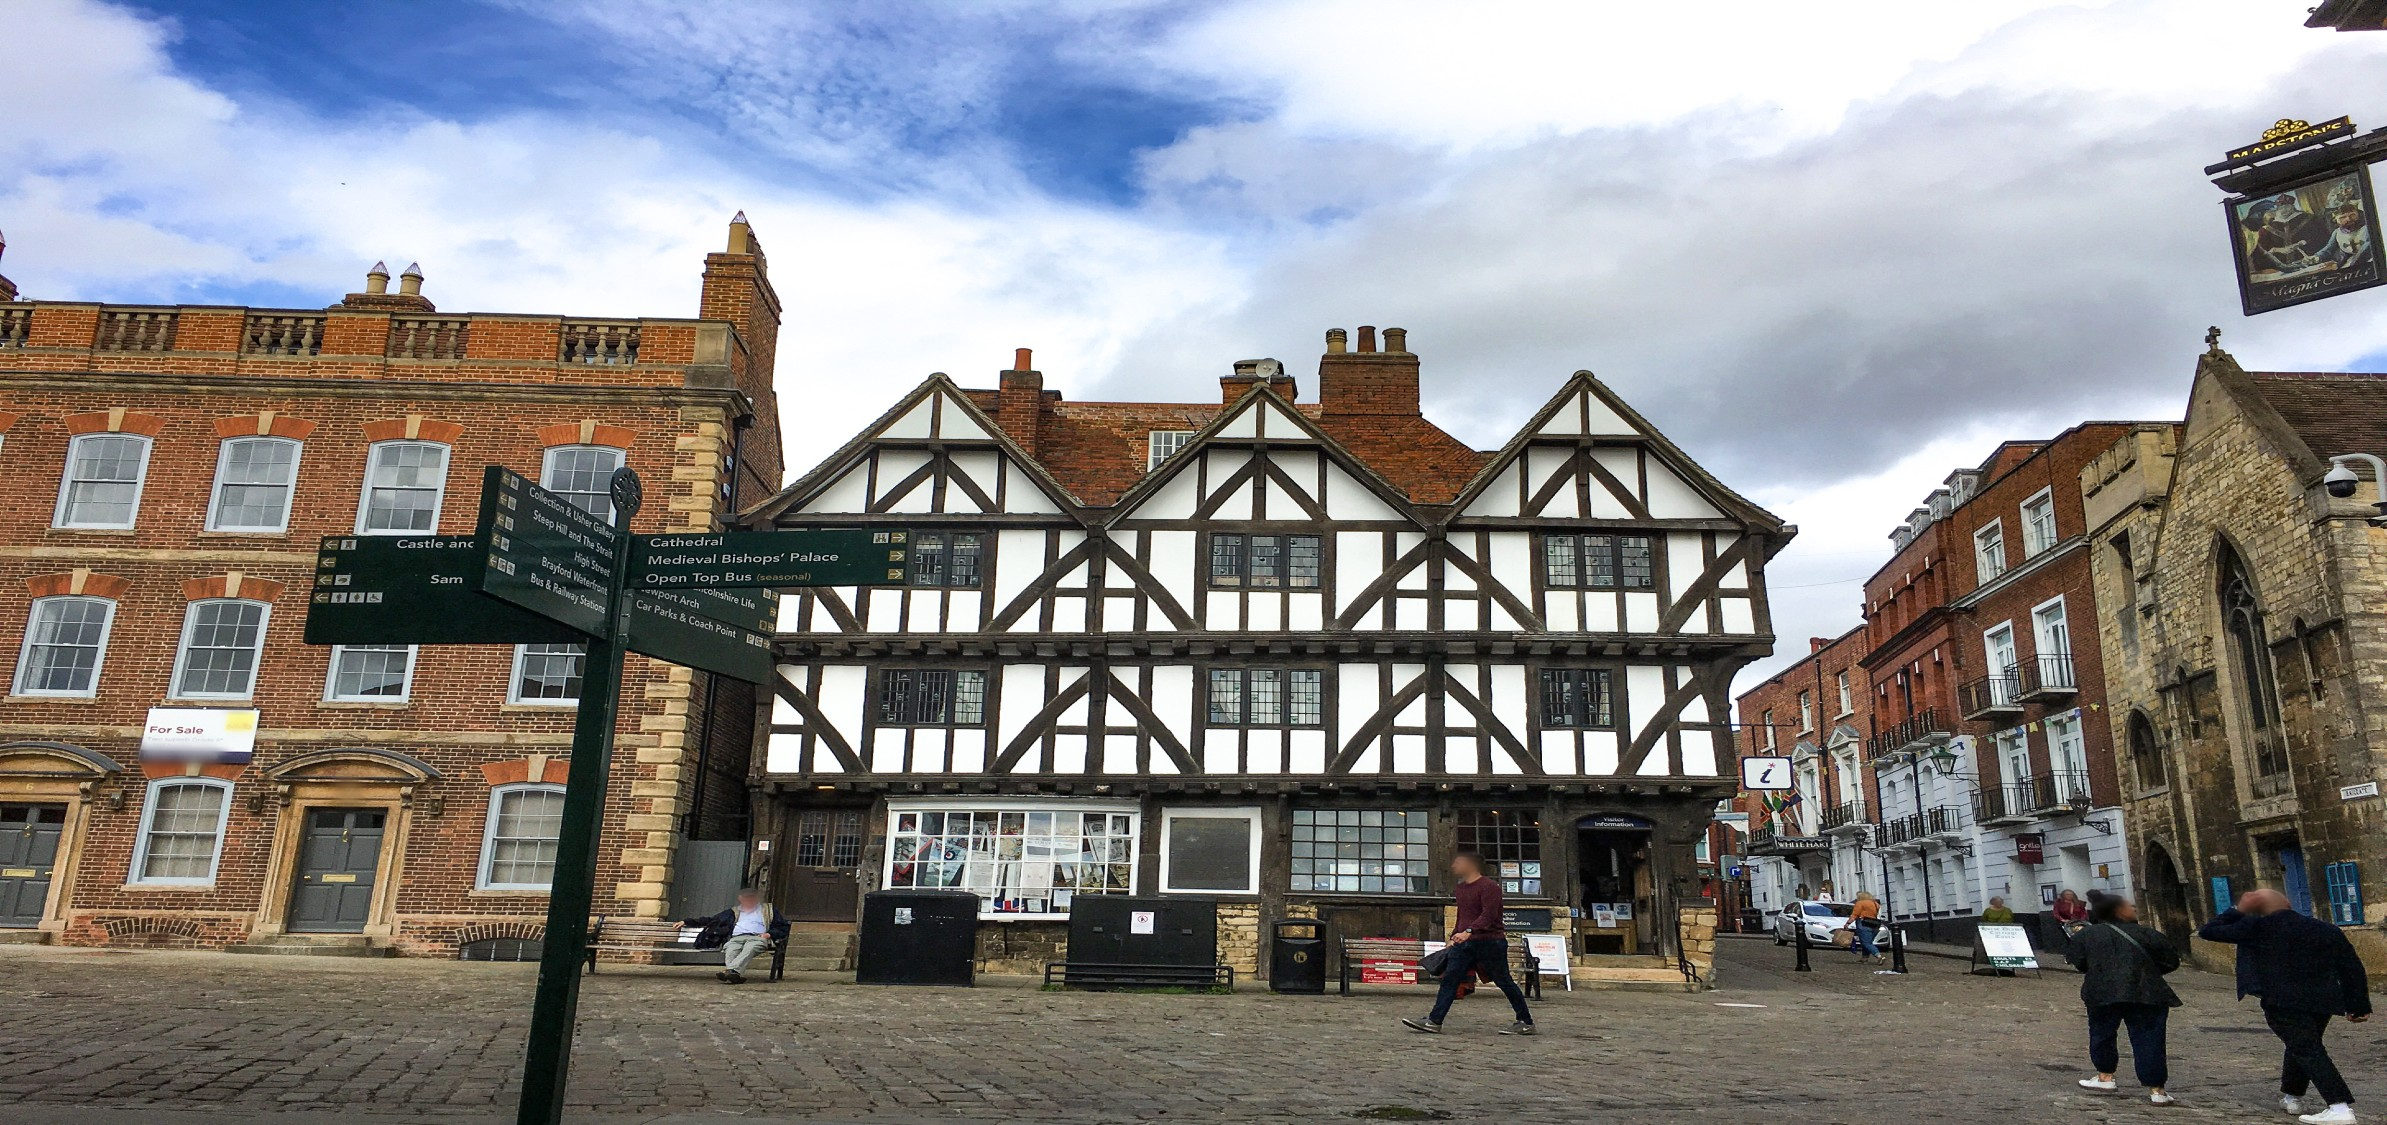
(100, 1038)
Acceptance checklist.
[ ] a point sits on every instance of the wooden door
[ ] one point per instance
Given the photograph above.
(332, 889)
(822, 864)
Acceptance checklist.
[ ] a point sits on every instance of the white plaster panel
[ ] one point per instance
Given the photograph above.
(849, 494)
(1641, 613)
(1266, 750)
(1699, 753)
(914, 423)
(1305, 753)
(785, 754)
(1023, 494)
(1498, 498)
(1602, 750)
(1408, 753)
(1672, 498)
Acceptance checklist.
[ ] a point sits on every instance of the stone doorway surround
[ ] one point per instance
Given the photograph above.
(56, 773)
(352, 777)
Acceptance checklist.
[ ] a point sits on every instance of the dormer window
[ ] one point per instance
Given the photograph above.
(1164, 445)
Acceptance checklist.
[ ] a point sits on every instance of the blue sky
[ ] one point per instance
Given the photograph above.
(1834, 258)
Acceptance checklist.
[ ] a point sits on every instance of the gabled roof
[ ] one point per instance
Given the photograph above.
(2331, 412)
(1260, 397)
(1584, 382)
(831, 468)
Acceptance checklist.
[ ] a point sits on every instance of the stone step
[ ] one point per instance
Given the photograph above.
(24, 937)
(311, 945)
(813, 965)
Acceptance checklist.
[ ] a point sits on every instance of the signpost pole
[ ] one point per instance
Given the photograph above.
(573, 890)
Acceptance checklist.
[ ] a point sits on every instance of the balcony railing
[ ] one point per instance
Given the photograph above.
(2058, 793)
(2046, 678)
(1925, 726)
(135, 331)
(600, 343)
(269, 334)
(1843, 816)
(1943, 820)
(2003, 804)
(15, 325)
(1991, 695)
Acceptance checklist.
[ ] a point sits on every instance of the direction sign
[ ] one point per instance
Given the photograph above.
(413, 589)
(769, 558)
(543, 552)
(677, 627)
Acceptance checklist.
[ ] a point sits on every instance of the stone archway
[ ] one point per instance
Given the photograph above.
(49, 787)
(2164, 895)
(343, 778)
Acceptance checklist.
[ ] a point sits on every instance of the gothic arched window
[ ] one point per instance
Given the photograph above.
(2250, 657)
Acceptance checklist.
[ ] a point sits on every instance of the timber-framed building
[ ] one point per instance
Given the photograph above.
(1285, 654)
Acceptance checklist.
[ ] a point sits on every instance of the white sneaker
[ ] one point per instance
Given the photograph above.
(2292, 1104)
(2339, 1114)
(2097, 1083)
(2158, 1097)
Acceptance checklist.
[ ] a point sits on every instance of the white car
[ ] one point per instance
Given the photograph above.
(1822, 919)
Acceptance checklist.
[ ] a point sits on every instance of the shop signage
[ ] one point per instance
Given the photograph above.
(1611, 821)
(2006, 947)
(769, 558)
(1765, 775)
(2358, 792)
(197, 734)
(1526, 920)
(2030, 847)
(1801, 844)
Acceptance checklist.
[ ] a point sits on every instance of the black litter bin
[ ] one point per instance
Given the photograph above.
(1298, 964)
(918, 937)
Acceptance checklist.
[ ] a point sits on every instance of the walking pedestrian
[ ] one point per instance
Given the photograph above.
(1478, 945)
(1865, 919)
(2123, 965)
(2305, 971)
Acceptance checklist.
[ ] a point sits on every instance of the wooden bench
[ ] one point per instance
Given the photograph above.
(656, 935)
(1090, 975)
(1358, 953)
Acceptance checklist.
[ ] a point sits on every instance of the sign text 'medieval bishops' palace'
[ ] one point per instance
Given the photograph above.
(1288, 655)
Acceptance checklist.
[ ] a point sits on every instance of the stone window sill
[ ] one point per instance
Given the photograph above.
(363, 705)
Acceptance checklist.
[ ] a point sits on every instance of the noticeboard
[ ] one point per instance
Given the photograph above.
(753, 559)
(542, 552)
(413, 589)
(2007, 947)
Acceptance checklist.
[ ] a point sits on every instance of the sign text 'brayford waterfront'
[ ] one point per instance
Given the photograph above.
(769, 558)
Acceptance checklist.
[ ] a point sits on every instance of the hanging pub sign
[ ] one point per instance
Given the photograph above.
(2030, 847)
(2302, 218)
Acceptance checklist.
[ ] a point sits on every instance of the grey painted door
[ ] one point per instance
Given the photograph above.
(333, 892)
(28, 855)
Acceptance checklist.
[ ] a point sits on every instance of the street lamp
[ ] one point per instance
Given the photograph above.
(2341, 480)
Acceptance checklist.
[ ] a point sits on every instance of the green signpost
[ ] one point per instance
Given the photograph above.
(770, 558)
(540, 569)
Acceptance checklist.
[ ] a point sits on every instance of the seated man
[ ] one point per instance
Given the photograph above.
(741, 933)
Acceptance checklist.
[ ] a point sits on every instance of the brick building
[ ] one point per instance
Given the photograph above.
(165, 475)
(1981, 764)
(1817, 713)
(2248, 633)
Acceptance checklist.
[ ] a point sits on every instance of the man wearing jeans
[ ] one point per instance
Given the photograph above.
(1479, 945)
(741, 933)
(2305, 971)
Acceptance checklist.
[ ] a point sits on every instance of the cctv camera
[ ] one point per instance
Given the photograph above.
(2340, 481)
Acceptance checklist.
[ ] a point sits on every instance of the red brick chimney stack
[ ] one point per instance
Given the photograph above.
(1019, 400)
(1367, 381)
(408, 299)
(1251, 372)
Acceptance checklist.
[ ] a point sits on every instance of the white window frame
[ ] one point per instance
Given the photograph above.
(514, 696)
(2031, 549)
(1848, 699)
(66, 482)
(1988, 536)
(1179, 439)
(215, 861)
(439, 498)
(621, 457)
(497, 796)
(2062, 730)
(99, 663)
(1806, 712)
(962, 803)
(2063, 615)
(331, 678)
(1168, 816)
(182, 650)
(215, 491)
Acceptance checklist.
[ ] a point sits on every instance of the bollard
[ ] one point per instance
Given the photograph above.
(1800, 929)
(1897, 950)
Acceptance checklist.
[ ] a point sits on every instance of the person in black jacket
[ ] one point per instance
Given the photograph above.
(740, 933)
(2305, 971)
(2123, 964)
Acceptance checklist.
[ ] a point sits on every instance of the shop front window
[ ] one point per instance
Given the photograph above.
(1510, 840)
(1020, 860)
(1360, 851)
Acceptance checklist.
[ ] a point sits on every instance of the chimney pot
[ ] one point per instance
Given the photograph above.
(1367, 337)
(410, 283)
(1021, 360)
(377, 279)
(741, 234)
(1336, 341)
(1396, 339)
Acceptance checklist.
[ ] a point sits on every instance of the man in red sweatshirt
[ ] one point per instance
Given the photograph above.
(1479, 945)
